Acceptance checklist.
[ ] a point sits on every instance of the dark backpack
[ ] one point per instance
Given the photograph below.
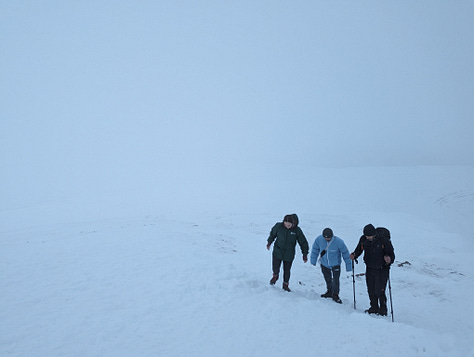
(383, 232)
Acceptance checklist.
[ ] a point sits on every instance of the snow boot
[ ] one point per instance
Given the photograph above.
(335, 297)
(372, 310)
(382, 309)
(274, 279)
(327, 294)
(285, 287)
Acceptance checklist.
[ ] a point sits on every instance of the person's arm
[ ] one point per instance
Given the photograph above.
(346, 256)
(303, 243)
(358, 250)
(272, 236)
(389, 252)
(315, 252)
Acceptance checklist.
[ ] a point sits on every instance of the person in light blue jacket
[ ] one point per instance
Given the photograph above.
(331, 249)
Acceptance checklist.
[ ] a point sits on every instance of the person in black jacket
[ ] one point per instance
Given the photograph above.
(378, 256)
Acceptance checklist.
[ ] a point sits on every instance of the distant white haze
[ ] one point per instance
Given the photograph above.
(128, 100)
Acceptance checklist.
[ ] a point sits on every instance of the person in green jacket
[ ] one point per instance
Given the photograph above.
(285, 235)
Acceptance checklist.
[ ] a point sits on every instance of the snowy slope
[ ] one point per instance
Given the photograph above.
(196, 284)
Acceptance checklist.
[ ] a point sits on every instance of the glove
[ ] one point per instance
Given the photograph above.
(305, 258)
(269, 245)
(352, 256)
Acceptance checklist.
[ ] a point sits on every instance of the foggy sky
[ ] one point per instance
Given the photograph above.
(155, 92)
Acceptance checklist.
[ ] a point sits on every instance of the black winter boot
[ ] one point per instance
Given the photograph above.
(372, 310)
(335, 297)
(285, 287)
(327, 294)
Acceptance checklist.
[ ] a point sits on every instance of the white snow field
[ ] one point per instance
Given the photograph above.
(195, 282)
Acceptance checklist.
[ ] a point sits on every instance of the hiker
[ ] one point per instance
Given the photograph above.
(286, 234)
(378, 256)
(332, 248)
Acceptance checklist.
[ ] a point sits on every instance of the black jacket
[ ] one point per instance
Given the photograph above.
(375, 251)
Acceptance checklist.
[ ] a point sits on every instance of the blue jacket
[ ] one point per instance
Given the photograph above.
(332, 257)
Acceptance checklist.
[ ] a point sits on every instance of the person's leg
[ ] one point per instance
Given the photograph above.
(370, 281)
(380, 286)
(336, 273)
(287, 271)
(327, 277)
(276, 264)
(286, 275)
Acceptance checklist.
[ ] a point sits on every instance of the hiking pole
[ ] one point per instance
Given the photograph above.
(390, 293)
(353, 285)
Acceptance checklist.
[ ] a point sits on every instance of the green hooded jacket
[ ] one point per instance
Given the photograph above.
(285, 241)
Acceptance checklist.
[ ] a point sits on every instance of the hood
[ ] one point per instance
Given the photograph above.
(292, 218)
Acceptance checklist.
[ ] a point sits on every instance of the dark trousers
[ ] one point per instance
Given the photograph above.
(286, 268)
(332, 278)
(376, 280)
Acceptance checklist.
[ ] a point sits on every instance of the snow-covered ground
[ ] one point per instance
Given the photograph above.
(189, 276)
(148, 147)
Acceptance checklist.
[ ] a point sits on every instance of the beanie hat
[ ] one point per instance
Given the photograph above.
(369, 230)
(327, 233)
